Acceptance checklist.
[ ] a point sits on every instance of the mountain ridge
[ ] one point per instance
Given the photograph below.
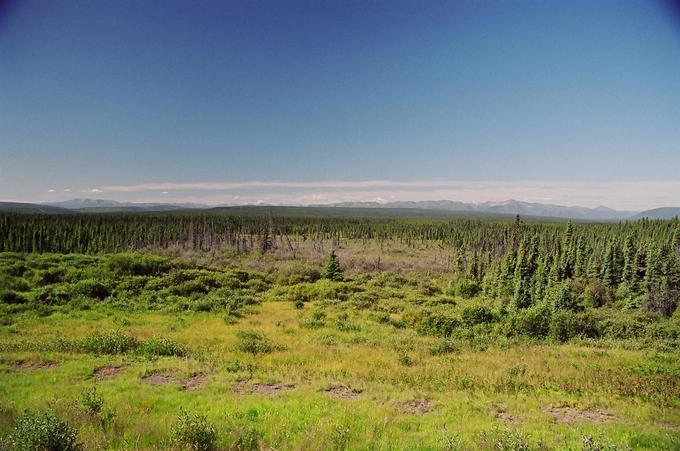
(511, 206)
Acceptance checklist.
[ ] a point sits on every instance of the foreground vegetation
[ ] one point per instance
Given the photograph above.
(553, 336)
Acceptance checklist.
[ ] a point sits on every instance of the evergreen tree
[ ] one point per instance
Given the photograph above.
(332, 269)
(629, 272)
(561, 297)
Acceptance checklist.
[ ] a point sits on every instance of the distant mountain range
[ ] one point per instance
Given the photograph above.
(498, 208)
(507, 207)
(103, 205)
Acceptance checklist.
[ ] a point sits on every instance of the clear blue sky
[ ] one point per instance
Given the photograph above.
(97, 97)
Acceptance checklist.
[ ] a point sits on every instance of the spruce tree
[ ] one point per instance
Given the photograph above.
(332, 269)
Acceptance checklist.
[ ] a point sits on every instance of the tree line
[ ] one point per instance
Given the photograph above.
(523, 262)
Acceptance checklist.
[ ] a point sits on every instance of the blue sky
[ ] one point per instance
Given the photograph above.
(572, 102)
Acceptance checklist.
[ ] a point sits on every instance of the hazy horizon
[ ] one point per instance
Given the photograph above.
(619, 196)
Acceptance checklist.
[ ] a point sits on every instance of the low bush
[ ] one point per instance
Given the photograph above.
(477, 314)
(92, 401)
(567, 325)
(49, 276)
(52, 295)
(298, 274)
(533, 322)
(561, 297)
(254, 342)
(11, 297)
(42, 431)
(343, 324)
(317, 320)
(596, 294)
(246, 438)
(92, 289)
(162, 346)
(465, 288)
(138, 264)
(443, 346)
(109, 343)
(504, 440)
(437, 324)
(193, 431)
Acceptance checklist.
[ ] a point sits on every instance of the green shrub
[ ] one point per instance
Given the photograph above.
(477, 314)
(504, 440)
(11, 297)
(193, 431)
(52, 295)
(343, 324)
(298, 274)
(566, 325)
(444, 346)
(465, 288)
(317, 320)
(622, 326)
(92, 289)
(561, 297)
(246, 438)
(254, 342)
(437, 324)
(42, 431)
(92, 401)
(17, 269)
(600, 443)
(109, 343)
(405, 359)
(162, 346)
(200, 283)
(50, 276)
(596, 294)
(533, 322)
(138, 264)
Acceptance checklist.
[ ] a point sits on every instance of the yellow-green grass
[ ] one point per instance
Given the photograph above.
(474, 390)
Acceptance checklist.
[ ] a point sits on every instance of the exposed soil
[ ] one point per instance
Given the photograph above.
(26, 365)
(506, 417)
(342, 391)
(570, 415)
(194, 382)
(243, 388)
(107, 371)
(157, 379)
(417, 406)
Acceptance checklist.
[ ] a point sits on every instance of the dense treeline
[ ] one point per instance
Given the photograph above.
(638, 262)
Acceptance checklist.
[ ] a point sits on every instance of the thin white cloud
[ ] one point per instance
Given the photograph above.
(67, 190)
(221, 186)
(621, 195)
(50, 190)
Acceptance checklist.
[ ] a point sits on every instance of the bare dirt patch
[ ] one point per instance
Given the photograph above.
(342, 391)
(506, 417)
(570, 415)
(107, 371)
(417, 406)
(159, 378)
(194, 382)
(27, 365)
(243, 388)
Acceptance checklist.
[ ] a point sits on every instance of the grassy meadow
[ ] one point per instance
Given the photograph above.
(217, 350)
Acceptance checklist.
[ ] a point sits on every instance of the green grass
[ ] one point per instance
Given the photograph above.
(350, 360)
